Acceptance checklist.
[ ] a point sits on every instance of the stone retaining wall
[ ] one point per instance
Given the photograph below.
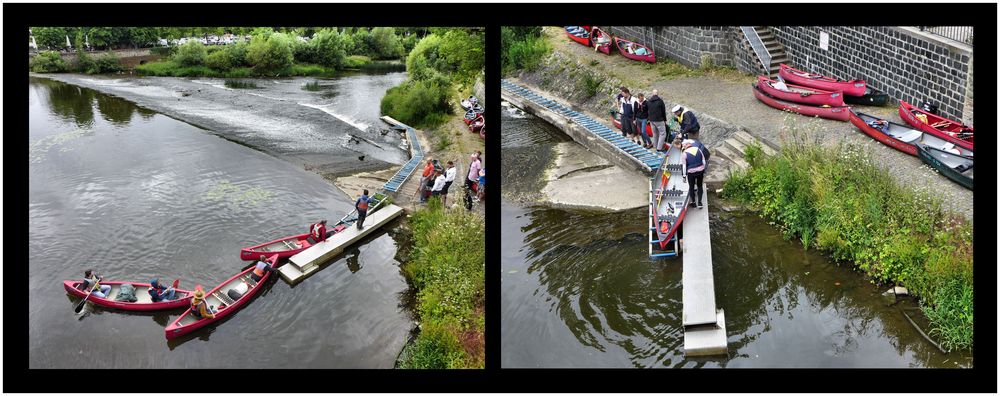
(684, 44)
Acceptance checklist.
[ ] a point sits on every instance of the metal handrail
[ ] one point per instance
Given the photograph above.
(758, 47)
(962, 34)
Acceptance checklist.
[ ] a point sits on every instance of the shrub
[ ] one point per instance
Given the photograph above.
(589, 84)
(357, 61)
(218, 60)
(163, 51)
(271, 54)
(48, 62)
(192, 53)
(522, 49)
(107, 63)
(419, 103)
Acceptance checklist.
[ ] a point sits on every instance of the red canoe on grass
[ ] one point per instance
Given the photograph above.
(800, 94)
(226, 298)
(616, 120)
(143, 302)
(476, 125)
(903, 138)
(832, 113)
(952, 131)
(624, 45)
(601, 40)
(670, 196)
(580, 34)
(799, 77)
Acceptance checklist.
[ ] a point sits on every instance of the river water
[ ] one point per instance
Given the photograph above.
(578, 290)
(135, 194)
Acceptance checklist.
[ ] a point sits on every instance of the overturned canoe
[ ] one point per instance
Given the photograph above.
(955, 167)
(629, 50)
(579, 34)
(903, 138)
(227, 298)
(872, 97)
(143, 300)
(833, 113)
(670, 195)
(800, 94)
(799, 77)
(952, 131)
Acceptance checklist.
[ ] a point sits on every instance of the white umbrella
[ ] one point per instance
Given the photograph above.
(67, 42)
(87, 44)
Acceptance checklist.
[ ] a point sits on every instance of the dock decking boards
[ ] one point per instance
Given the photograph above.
(705, 326)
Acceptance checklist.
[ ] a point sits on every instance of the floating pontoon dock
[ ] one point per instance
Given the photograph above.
(704, 324)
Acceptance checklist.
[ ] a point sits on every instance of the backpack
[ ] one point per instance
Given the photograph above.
(468, 200)
(126, 293)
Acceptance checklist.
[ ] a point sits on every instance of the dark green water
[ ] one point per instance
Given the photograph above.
(579, 291)
(136, 195)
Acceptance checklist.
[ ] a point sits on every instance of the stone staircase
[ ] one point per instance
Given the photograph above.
(777, 51)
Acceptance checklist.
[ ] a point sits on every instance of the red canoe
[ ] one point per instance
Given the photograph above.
(580, 34)
(624, 44)
(952, 131)
(616, 120)
(905, 139)
(476, 125)
(800, 94)
(599, 36)
(670, 196)
(143, 302)
(243, 288)
(851, 88)
(833, 113)
(288, 246)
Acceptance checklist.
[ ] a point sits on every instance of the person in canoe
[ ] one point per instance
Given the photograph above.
(695, 171)
(199, 307)
(317, 232)
(689, 123)
(158, 292)
(362, 206)
(92, 282)
(261, 266)
(600, 39)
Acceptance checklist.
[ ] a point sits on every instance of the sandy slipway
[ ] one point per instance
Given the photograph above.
(278, 118)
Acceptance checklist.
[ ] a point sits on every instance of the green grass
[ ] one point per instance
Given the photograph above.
(447, 270)
(837, 200)
(171, 68)
(589, 84)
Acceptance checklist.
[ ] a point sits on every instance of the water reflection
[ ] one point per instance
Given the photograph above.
(116, 110)
(69, 102)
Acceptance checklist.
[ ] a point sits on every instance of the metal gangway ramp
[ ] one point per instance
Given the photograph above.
(704, 324)
(647, 160)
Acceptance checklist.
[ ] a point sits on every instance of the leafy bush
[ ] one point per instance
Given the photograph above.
(192, 53)
(590, 84)
(48, 62)
(356, 61)
(421, 103)
(521, 48)
(435, 348)
(218, 60)
(163, 51)
(838, 200)
(107, 63)
(270, 54)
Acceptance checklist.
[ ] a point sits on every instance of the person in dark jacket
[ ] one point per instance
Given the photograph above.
(695, 160)
(689, 123)
(362, 206)
(626, 107)
(657, 116)
(641, 119)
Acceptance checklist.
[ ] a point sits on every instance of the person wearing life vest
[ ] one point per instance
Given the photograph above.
(92, 283)
(695, 160)
(261, 267)
(199, 307)
(158, 292)
(689, 123)
(362, 206)
(317, 232)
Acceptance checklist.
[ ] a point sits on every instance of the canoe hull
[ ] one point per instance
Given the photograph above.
(582, 40)
(617, 122)
(670, 194)
(831, 113)
(872, 97)
(650, 57)
(811, 96)
(850, 88)
(906, 139)
(141, 292)
(604, 48)
(930, 157)
(186, 323)
(909, 113)
(882, 137)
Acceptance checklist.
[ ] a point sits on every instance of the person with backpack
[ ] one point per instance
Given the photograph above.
(362, 207)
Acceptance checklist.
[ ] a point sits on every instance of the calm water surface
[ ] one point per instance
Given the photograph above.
(579, 291)
(136, 195)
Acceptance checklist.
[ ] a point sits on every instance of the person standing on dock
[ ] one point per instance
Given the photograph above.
(449, 178)
(428, 170)
(641, 119)
(439, 182)
(695, 159)
(657, 118)
(362, 207)
(689, 123)
(626, 107)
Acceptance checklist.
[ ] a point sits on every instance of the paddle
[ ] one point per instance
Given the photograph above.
(79, 307)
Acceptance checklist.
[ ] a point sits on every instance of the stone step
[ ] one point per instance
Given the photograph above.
(779, 59)
(736, 145)
(748, 139)
(733, 157)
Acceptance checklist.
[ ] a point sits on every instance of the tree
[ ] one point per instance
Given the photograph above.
(192, 53)
(51, 37)
(329, 48)
(386, 44)
(270, 54)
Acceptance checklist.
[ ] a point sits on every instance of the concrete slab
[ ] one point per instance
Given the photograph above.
(697, 277)
(308, 261)
(707, 340)
(579, 177)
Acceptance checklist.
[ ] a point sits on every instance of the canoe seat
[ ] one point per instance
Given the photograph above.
(909, 136)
